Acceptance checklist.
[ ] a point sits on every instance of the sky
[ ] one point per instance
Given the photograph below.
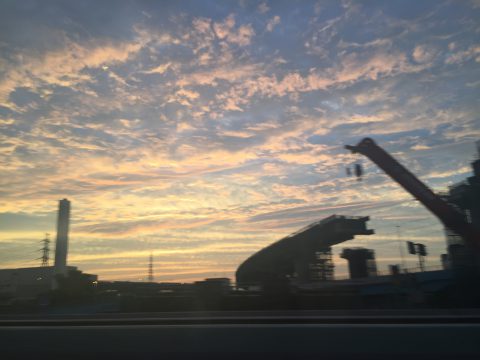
(202, 131)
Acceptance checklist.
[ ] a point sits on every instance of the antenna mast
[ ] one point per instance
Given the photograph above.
(150, 268)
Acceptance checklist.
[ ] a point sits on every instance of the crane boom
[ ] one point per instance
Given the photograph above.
(448, 215)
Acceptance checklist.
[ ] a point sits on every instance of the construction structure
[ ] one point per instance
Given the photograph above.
(304, 256)
(361, 262)
(445, 212)
(322, 267)
(465, 197)
(459, 211)
(61, 245)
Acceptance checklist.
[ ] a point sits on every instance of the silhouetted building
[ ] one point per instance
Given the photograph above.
(394, 269)
(361, 262)
(61, 245)
(28, 283)
(465, 196)
(444, 261)
(213, 286)
(303, 256)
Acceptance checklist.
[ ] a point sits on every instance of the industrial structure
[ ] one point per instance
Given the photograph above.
(465, 197)
(31, 282)
(448, 214)
(361, 262)
(459, 210)
(305, 255)
(302, 261)
(61, 245)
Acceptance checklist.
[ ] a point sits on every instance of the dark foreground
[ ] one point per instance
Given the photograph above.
(235, 335)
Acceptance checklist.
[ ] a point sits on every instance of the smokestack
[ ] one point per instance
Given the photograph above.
(61, 246)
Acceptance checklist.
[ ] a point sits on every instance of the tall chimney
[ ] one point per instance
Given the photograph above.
(61, 246)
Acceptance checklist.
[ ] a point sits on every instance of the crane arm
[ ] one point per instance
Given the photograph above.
(449, 216)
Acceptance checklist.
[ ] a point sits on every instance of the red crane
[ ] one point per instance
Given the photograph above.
(447, 214)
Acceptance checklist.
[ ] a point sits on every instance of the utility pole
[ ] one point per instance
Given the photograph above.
(45, 251)
(421, 262)
(150, 268)
(422, 252)
(402, 255)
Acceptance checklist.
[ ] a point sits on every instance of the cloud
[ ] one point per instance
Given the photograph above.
(160, 69)
(374, 94)
(144, 226)
(423, 54)
(225, 31)
(206, 135)
(243, 36)
(380, 64)
(263, 8)
(351, 69)
(312, 212)
(449, 173)
(420, 147)
(273, 22)
(230, 74)
(381, 42)
(202, 25)
(63, 66)
(459, 57)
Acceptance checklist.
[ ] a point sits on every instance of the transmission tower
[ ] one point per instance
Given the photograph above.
(150, 268)
(45, 251)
